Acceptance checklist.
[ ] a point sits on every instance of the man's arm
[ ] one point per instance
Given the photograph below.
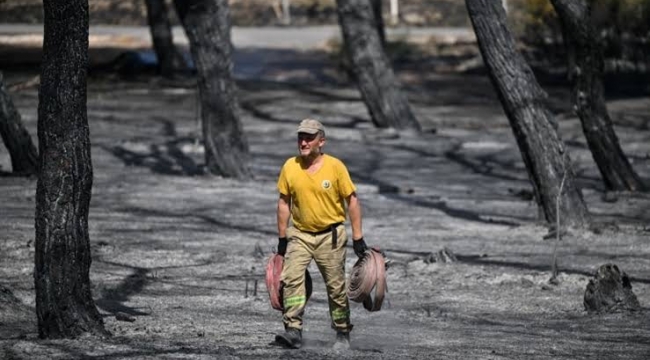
(354, 211)
(284, 212)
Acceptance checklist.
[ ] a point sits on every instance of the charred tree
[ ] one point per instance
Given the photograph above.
(523, 101)
(586, 68)
(207, 25)
(387, 105)
(64, 304)
(24, 157)
(169, 58)
(379, 21)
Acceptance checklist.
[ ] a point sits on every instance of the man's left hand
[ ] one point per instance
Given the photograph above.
(359, 247)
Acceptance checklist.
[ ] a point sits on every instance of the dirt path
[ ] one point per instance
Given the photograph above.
(286, 37)
(175, 248)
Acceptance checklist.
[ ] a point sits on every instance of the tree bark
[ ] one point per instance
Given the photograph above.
(24, 157)
(207, 25)
(64, 304)
(387, 105)
(379, 21)
(169, 59)
(533, 125)
(586, 72)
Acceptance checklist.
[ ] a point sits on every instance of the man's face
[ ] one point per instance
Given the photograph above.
(310, 144)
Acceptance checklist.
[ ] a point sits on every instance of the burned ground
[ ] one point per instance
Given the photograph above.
(183, 253)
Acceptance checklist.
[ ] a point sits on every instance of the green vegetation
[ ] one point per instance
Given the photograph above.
(624, 28)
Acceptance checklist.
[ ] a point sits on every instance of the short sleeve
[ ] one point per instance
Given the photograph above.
(283, 182)
(346, 186)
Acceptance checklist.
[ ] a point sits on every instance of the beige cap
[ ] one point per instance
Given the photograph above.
(310, 126)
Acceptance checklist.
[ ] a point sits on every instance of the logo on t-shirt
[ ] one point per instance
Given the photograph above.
(326, 184)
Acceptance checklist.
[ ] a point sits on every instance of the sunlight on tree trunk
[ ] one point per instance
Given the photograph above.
(394, 12)
(286, 12)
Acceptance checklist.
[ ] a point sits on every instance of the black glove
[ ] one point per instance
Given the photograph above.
(359, 247)
(282, 245)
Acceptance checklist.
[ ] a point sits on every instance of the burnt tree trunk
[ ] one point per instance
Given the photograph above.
(379, 21)
(169, 59)
(586, 72)
(24, 157)
(207, 25)
(387, 105)
(64, 304)
(523, 100)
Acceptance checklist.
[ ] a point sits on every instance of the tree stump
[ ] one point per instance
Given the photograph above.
(610, 291)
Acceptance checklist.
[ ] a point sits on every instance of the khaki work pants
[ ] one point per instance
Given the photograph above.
(330, 259)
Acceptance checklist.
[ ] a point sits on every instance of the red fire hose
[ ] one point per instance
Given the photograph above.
(273, 285)
(367, 274)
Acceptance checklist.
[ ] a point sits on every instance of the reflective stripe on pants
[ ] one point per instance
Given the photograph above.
(330, 259)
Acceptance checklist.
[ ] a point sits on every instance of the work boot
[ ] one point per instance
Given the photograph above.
(291, 338)
(342, 341)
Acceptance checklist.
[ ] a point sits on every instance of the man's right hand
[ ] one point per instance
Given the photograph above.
(282, 245)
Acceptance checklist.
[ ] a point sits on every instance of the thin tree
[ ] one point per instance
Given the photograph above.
(207, 25)
(169, 58)
(24, 157)
(523, 101)
(586, 67)
(386, 103)
(64, 304)
(379, 20)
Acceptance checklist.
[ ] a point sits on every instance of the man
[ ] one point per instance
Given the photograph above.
(314, 189)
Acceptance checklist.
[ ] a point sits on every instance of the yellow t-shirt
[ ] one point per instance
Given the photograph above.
(317, 200)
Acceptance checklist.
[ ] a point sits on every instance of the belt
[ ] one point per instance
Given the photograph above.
(331, 228)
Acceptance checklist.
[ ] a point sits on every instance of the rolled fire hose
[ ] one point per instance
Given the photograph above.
(367, 274)
(273, 285)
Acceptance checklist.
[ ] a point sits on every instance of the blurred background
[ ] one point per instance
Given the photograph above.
(624, 28)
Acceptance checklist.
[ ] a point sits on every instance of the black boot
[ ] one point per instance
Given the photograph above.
(342, 341)
(291, 338)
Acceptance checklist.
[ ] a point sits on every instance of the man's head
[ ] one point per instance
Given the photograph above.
(311, 138)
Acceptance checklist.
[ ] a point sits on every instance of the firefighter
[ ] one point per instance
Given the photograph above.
(314, 190)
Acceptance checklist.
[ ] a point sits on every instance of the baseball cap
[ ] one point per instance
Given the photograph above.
(310, 126)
